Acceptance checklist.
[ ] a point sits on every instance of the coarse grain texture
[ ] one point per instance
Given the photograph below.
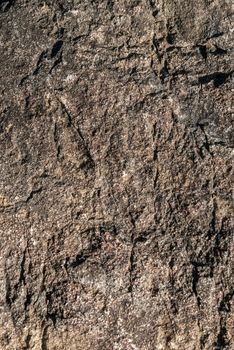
(116, 154)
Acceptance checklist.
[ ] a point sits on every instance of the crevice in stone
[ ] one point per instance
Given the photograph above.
(218, 78)
(56, 48)
(195, 279)
(5, 5)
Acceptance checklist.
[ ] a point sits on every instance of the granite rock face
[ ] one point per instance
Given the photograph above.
(116, 145)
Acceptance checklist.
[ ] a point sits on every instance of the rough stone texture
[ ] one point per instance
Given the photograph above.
(116, 174)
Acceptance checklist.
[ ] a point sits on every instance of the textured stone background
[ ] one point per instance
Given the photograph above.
(116, 143)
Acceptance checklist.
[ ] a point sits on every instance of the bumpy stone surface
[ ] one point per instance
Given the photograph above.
(116, 175)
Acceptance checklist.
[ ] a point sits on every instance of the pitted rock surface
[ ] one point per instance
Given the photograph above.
(116, 153)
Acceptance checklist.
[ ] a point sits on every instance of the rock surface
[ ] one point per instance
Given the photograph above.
(116, 149)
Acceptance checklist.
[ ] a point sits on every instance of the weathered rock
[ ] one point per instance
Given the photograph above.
(115, 175)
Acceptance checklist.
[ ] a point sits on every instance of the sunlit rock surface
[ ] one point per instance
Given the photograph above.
(116, 143)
